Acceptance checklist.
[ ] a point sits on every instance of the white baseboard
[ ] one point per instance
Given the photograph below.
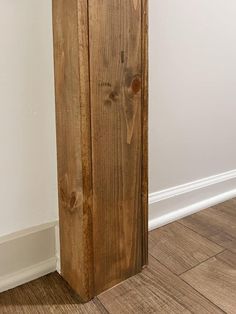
(27, 255)
(189, 210)
(27, 274)
(175, 203)
(58, 255)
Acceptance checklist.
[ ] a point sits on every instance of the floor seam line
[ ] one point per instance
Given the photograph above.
(205, 237)
(202, 262)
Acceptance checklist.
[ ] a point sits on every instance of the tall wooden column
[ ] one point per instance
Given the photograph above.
(100, 52)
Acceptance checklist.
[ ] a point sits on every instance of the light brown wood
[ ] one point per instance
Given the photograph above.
(49, 294)
(155, 290)
(100, 52)
(217, 224)
(116, 70)
(229, 208)
(216, 280)
(73, 144)
(179, 248)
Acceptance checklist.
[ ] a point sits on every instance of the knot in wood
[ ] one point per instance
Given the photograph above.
(136, 85)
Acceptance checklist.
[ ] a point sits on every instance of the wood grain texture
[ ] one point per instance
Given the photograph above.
(145, 131)
(155, 290)
(100, 52)
(216, 279)
(73, 140)
(49, 294)
(179, 248)
(216, 223)
(229, 208)
(115, 43)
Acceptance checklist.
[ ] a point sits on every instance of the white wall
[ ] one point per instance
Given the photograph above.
(192, 90)
(192, 104)
(28, 194)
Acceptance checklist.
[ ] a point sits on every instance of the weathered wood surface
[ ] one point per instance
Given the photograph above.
(100, 51)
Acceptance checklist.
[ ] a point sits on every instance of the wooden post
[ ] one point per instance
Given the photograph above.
(100, 53)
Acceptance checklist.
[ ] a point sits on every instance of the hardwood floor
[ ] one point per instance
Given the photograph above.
(216, 279)
(155, 290)
(217, 224)
(49, 294)
(192, 269)
(179, 248)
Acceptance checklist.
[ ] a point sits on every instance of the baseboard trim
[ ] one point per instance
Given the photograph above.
(27, 274)
(27, 255)
(191, 186)
(27, 231)
(189, 210)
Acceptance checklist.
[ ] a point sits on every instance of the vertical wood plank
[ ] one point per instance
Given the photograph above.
(116, 101)
(86, 144)
(100, 52)
(74, 144)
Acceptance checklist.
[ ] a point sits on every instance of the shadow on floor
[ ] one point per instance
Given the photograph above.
(50, 289)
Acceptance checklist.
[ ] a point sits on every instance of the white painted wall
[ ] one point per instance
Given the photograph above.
(192, 90)
(28, 193)
(192, 104)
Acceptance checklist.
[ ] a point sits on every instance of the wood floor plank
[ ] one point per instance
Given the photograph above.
(218, 224)
(216, 279)
(49, 294)
(179, 248)
(155, 290)
(228, 207)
